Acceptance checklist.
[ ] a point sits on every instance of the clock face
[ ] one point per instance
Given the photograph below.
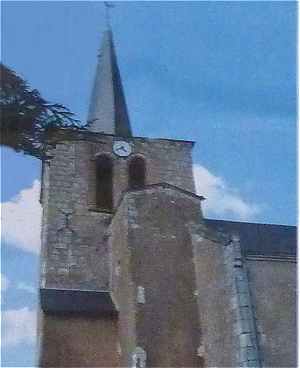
(122, 148)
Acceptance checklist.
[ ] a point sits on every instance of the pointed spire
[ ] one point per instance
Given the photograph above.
(108, 111)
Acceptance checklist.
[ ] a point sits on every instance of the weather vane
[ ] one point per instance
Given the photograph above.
(108, 5)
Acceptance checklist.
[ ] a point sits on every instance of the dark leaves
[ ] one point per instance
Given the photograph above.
(26, 117)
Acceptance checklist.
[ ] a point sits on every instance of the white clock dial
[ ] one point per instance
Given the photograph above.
(122, 148)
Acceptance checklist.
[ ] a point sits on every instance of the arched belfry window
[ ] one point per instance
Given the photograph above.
(136, 173)
(104, 183)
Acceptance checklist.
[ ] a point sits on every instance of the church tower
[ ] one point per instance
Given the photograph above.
(131, 273)
(117, 279)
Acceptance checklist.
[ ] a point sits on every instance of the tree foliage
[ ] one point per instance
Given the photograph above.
(26, 117)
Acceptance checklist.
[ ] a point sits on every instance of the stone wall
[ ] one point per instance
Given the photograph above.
(184, 293)
(76, 259)
(154, 277)
(78, 341)
(215, 287)
(123, 288)
(166, 161)
(273, 286)
(74, 253)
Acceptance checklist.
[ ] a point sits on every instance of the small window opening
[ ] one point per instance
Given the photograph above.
(137, 173)
(104, 183)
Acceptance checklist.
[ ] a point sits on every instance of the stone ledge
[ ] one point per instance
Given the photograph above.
(77, 301)
(161, 185)
(56, 135)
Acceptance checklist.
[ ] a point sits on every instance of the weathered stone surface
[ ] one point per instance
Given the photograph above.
(78, 341)
(75, 255)
(274, 294)
(217, 300)
(157, 254)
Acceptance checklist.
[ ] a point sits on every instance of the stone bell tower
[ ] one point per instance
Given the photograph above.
(117, 275)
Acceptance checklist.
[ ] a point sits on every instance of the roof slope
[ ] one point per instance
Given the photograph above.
(260, 239)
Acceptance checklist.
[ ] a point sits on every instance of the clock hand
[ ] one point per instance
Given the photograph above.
(121, 149)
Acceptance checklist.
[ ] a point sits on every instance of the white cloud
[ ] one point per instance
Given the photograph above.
(19, 326)
(21, 219)
(25, 287)
(4, 282)
(222, 200)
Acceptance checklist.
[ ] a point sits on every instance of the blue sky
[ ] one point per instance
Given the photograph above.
(220, 73)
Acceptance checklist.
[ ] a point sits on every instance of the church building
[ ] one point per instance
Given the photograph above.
(132, 274)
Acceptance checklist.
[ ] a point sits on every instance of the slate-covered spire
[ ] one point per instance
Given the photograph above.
(108, 111)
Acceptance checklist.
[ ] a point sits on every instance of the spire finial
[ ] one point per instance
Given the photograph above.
(108, 5)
